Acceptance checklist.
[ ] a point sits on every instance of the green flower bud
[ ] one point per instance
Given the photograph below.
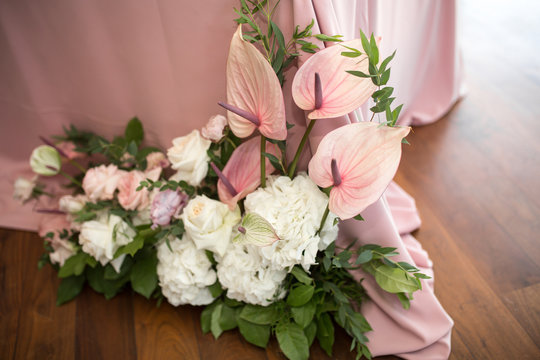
(255, 230)
(45, 160)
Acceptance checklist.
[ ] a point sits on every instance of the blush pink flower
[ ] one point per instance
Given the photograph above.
(358, 160)
(128, 196)
(323, 87)
(213, 130)
(242, 173)
(166, 205)
(254, 96)
(101, 182)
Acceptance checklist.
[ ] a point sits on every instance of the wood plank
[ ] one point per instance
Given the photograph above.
(104, 327)
(525, 306)
(165, 332)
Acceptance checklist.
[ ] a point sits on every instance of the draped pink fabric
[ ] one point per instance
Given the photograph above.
(97, 64)
(424, 330)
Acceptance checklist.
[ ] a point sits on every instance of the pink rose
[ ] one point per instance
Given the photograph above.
(213, 130)
(167, 204)
(128, 196)
(156, 159)
(100, 182)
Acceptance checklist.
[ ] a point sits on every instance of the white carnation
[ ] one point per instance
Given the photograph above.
(103, 236)
(248, 277)
(23, 188)
(295, 209)
(184, 273)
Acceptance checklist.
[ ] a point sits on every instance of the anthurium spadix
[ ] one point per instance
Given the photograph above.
(323, 86)
(242, 173)
(358, 160)
(254, 96)
(255, 230)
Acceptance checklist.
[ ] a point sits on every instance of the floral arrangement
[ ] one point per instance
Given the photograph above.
(223, 220)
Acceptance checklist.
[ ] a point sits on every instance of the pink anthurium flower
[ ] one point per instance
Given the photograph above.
(242, 174)
(323, 86)
(359, 160)
(254, 97)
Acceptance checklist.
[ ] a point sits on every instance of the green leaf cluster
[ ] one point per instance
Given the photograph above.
(124, 151)
(379, 75)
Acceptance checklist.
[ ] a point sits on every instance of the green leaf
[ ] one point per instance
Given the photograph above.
(404, 141)
(359, 74)
(278, 34)
(215, 289)
(134, 131)
(311, 331)
(300, 295)
(276, 163)
(206, 318)
(408, 266)
(260, 315)
(385, 62)
(351, 54)
(132, 247)
(394, 280)
(385, 77)
(365, 43)
(325, 333)
(69, 288)
(227, 320)
(292, 341)
(304, 314)
(327, 263)
(404, 300)
(144, 279)
(364, 257)
(374, 57)
(97, 281)
(215, 326)
(301, 275)
(422, 276)
(111, 274)
(257, 335)
(334, 38)
(75, 265)
(233, 303)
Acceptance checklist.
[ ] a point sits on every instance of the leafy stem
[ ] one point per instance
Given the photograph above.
(292, 167)
(263, 161)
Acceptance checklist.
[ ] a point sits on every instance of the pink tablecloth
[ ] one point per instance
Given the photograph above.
(97, 64)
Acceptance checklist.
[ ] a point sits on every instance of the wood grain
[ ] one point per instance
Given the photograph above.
(474, 175)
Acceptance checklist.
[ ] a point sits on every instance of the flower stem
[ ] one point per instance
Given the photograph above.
(77, 165)
(70, 178)
(323, 220)
(292, 167)
(263, 161)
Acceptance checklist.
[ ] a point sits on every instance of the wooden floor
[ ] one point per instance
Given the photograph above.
(475, 175)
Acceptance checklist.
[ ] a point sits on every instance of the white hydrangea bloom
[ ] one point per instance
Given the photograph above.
(184, 273)
(103, 236)
(248, 277)
(295, 209)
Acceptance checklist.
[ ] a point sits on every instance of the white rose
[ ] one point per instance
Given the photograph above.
(248, 277)
(23, 188)
(103, 236)
(209, 223)
(184, 273)
(295, 209)
(72, 204)
(63, 250)
(189, 158)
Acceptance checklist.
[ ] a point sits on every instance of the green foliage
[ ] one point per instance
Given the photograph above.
(379, 75)
(143, 277)
(76, 264)
(292, 340)
(69, 288)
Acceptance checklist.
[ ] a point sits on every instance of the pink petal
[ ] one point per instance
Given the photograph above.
(367, 157)
(341, 91)
(243, 170)
(253, 86)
